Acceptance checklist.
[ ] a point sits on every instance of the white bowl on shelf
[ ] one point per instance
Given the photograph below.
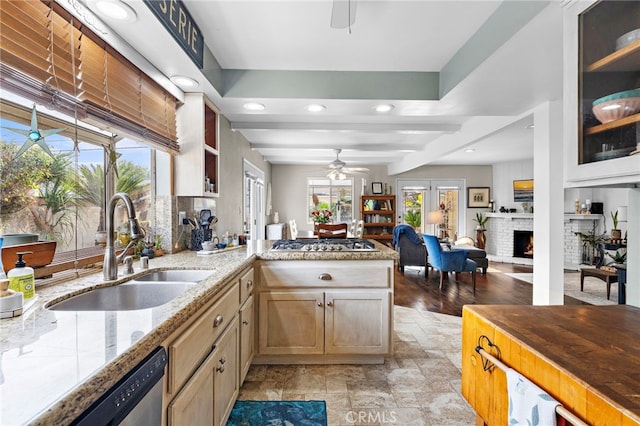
(627, 39)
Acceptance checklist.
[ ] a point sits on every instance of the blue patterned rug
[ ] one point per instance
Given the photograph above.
(265, 413)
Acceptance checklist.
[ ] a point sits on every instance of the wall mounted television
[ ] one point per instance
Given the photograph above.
(523, 191)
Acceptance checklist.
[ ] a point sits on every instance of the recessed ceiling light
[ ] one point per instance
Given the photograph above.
(114, 9)
(315, 107)
(383, 108)
(253, 106)
(469, 150)
(184, 81)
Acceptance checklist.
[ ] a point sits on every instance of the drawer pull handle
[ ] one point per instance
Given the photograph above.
(245, 322)
(220, 369)
(325, 277)
(223, 360)
(249, 284)
(330, 304)
(319, 303)
(217, 321)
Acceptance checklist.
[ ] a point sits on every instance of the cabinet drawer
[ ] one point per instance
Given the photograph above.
(326, 274)
(187, 351)
(246, 285)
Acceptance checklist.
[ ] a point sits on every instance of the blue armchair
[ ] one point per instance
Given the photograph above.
(448, 261)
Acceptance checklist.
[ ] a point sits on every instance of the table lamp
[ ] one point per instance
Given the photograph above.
(435, 217)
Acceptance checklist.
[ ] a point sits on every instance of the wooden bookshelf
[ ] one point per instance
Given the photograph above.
(379, 215)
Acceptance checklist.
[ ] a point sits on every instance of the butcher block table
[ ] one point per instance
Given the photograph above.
(586, 357)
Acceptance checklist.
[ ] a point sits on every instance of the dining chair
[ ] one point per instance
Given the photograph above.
(332, 230)
(448, 261)
(293, 229)
(359, 231)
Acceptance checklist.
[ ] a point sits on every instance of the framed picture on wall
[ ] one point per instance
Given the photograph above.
(478, 197)
(376, 188)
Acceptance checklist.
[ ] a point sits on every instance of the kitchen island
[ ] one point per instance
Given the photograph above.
(585, 357)
(55, 364)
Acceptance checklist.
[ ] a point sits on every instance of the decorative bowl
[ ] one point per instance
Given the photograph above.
(616, 106)
(627, 38)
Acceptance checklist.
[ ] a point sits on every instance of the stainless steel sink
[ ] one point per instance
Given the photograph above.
(185, 275)
(124, 297)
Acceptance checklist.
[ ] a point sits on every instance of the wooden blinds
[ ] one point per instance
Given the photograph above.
(43, 41)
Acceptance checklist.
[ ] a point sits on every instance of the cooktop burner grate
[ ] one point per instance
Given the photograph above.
(325, 244)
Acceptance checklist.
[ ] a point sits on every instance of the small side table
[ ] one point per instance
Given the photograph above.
(606, 276)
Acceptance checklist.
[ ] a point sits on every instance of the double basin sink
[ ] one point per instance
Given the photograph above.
(147, 291)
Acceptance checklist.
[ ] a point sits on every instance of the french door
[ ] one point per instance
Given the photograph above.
(432, 206)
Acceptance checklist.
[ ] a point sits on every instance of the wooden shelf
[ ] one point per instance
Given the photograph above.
(378, 230)
(625, 59)
(613, 124)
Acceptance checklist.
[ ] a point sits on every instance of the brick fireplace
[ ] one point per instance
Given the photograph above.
(501, 241)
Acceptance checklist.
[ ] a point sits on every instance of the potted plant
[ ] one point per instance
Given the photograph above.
(590, 240)
(481, 220)
(616, 234)
(157, 247)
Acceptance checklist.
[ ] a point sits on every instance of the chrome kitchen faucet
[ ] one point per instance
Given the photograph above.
(110, 266)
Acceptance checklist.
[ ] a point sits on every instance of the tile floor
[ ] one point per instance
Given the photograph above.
(419, 385)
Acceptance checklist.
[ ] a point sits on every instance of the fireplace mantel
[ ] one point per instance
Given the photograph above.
(567, 216)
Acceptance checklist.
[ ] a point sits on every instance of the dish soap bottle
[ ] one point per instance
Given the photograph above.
(21, 278)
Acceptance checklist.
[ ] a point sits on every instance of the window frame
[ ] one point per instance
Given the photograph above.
(331, 184)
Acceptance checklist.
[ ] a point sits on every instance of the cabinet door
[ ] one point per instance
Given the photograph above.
(194, 404)
(291, 323)
(226, 383)
(358, 322)
(247, 337)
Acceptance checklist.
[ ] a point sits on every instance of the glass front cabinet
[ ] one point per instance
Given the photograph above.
(602, 92)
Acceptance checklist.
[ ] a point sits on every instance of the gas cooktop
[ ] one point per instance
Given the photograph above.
(325, 244)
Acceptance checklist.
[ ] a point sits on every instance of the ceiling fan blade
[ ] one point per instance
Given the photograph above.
(343, 13)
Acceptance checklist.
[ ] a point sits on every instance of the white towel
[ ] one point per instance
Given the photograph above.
(528, 404)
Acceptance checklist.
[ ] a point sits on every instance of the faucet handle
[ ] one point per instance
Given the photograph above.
(128, 265)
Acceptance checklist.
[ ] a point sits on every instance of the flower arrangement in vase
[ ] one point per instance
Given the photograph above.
(321, 216)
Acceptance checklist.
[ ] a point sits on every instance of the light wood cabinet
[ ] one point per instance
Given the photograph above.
(197, 165)
(357, 322)
(324, 311)
(291, 322)
(207, 398)
(247, 337)
(597, 153)
(210, 354)
(379, 215)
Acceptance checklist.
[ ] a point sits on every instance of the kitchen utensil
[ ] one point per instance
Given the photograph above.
(205, 216)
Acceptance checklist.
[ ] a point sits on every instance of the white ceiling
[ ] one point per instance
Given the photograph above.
(487, 107)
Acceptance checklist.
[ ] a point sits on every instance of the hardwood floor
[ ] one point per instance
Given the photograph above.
(495, 288)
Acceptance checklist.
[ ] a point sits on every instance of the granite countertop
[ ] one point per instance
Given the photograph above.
(53, 364)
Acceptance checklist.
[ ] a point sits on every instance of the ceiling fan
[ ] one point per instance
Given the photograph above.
(338, 169)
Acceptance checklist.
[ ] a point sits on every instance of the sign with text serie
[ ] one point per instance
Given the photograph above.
(176, 19)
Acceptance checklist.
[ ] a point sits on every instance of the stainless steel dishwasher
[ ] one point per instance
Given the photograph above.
(135, 400)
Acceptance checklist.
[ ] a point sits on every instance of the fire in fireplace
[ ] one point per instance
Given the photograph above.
(523, 244)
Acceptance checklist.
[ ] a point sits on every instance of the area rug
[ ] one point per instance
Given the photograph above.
(291, 413)
(595, 290)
